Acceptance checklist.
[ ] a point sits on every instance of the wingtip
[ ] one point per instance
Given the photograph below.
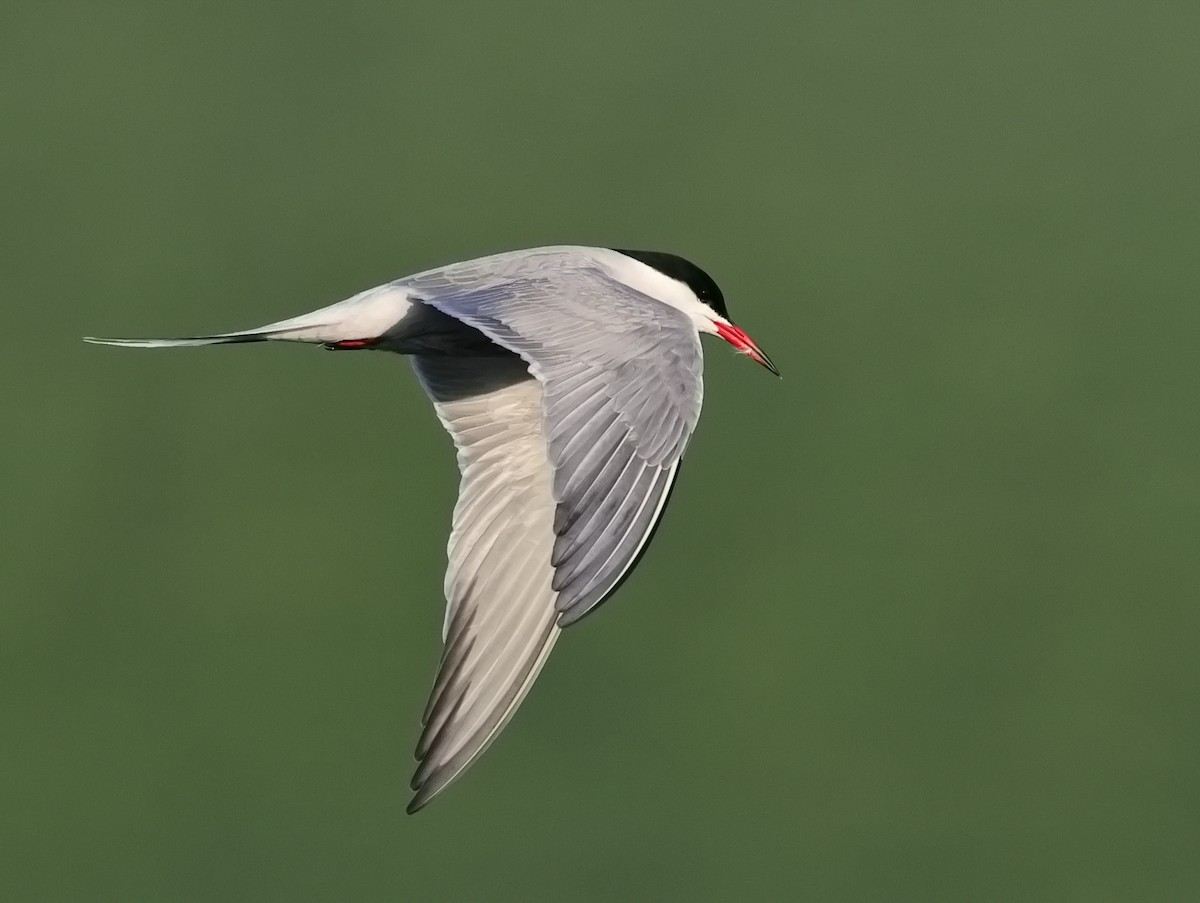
(415, 805)
(424, 792)
(572, 615)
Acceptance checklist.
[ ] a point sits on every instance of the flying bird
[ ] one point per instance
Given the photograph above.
(569, 379)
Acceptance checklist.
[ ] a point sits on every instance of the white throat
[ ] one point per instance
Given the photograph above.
(649, 281)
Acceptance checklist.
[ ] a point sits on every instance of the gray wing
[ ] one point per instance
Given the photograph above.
(500, 617)
(621, 375)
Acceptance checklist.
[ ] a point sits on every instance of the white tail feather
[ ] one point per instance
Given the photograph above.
(366, 315)
(174, 343)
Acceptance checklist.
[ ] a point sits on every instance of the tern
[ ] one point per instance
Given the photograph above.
(569, 379)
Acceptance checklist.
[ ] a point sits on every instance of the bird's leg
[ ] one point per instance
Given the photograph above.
(352, 344)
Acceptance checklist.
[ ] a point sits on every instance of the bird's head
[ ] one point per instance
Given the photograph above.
(695, 293)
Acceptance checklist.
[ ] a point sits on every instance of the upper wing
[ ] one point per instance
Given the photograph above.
(621, 376)
(500, 616)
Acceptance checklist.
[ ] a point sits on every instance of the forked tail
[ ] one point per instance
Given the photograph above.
(257, 335)
(181, 343)
(354, 323)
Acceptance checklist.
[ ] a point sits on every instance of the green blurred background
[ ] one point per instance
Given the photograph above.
(921, 623)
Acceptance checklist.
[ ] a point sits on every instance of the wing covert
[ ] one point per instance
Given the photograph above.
(621, 379)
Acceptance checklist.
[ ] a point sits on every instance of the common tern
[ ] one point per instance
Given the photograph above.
(569, 379)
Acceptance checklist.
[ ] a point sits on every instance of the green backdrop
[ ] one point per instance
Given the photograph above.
(921, 623)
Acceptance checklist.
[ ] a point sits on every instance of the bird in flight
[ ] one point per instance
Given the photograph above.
(569, 379)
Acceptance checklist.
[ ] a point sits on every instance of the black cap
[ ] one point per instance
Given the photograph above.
(701, 284)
